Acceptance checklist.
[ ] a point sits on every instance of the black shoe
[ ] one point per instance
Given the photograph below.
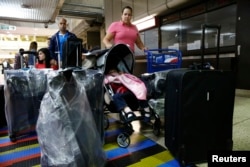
(146, 116)
(129, 116)
(146, 119)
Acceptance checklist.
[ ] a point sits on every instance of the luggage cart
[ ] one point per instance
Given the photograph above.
(163, 59)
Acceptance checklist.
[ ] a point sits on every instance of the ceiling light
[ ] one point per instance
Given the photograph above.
(145, 23)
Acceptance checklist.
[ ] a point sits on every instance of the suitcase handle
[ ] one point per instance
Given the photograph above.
(204, 27)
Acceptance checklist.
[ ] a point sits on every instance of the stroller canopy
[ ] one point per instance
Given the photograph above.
(118, 57)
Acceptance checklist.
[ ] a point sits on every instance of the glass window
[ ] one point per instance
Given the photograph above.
(150, 39)
(171, 35)
(186, 34)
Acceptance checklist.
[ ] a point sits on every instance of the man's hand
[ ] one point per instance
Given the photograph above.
(53, 62)
(83, 56)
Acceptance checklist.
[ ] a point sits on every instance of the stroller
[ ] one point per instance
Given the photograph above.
(120, 57)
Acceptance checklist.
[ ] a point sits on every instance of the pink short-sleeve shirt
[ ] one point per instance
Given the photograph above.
(125, 34)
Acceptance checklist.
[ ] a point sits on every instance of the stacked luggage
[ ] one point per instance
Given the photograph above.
(65, 107)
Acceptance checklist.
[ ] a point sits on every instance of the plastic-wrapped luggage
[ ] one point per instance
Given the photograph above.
(155, 83)
(2, 110)
(23, 93)
(93, 83)
(67, 132)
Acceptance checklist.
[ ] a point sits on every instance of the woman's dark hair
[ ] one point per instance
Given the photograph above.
(47, 57)
(127, 7)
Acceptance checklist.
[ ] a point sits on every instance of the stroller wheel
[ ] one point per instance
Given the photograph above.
(123, 140)
(129, 126)
(128, 129)
(157, 127)
(106, 122)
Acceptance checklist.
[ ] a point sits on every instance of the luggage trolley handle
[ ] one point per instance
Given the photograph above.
(210, 26)
(25, 52)
(161, 50)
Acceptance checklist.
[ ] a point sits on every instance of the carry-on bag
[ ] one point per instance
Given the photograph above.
(199, 108)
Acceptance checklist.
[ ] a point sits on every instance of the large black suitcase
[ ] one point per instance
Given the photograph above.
(199, 108)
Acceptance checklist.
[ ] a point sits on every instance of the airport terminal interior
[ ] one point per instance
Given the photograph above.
(173, 34)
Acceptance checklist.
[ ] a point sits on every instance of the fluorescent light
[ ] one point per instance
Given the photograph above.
(173, 27)
(144, 19)
(146, 22)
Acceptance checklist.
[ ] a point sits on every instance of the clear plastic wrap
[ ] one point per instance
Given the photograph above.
(66, 128)
(158, 106)
(23, 91)
(92, 80)
(155, 83)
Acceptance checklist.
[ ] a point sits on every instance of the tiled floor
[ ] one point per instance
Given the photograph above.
(241, 124)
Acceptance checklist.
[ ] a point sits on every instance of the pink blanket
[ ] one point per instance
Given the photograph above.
(133, 83)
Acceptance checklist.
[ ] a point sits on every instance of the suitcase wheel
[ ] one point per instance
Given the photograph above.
(13, 138)
(123, 140)
(106, 122)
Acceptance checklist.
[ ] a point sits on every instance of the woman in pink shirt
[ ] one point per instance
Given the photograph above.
(124, 32)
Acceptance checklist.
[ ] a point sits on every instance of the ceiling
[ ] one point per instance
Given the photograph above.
(38, 17)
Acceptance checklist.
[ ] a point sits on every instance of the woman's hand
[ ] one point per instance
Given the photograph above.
(108, 46)
(144, 48)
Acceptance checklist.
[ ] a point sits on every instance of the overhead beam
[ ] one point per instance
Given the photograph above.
(56, 12)
(86, 6)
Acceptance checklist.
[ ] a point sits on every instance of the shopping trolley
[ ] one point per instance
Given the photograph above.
(163, 59)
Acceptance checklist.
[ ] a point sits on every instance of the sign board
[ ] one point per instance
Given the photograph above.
(7, 27)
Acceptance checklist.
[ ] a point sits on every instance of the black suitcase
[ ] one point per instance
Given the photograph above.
(199, 108)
